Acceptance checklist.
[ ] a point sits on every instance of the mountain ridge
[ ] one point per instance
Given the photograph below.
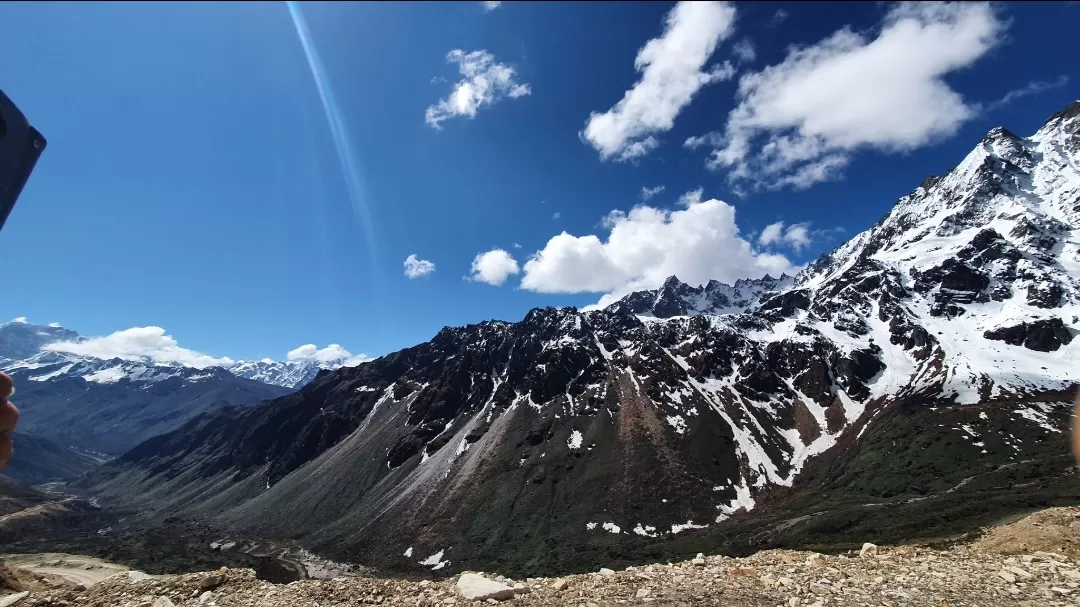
(608, 429)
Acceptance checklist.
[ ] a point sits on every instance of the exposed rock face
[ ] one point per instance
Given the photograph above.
(673, 410)
(1042, 335)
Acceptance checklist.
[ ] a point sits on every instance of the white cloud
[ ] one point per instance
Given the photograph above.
(556, 215)
(779, 17)
(416, 268)
(1031, 88)
(493, 267)
(329, 354)
(715, 139)
(692, 197)
(800, 121)
(21, 320)
(647, 193)
(645, 246)
(490, 5)
(516, 245)
(55, 325)
(148, 344)
(672, 72)
(485, 82)
(744, 51)
(796, 235)
(772, 234)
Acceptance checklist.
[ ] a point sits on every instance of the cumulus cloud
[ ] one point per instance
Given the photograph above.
(417, 268)
(21, 320)
(744, 51)
(493, 267)
(1031, 88)
(796, 236)
(484, 82)
(647, 193)
(672, 72)
(329, 354)
(800, 121)
(490, 5)
(645, 246)
(146, 344)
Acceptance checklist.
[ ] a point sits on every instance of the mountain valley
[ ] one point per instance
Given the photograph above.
(914, 383)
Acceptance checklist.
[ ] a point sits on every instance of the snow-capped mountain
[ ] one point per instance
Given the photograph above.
(108, 405)
(20, 339)
(289, 373)
(676, 298)
(930, 350)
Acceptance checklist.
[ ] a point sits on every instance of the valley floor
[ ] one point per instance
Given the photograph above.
(1030, 562)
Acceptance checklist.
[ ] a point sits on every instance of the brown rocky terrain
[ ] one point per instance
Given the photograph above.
(1014, 564)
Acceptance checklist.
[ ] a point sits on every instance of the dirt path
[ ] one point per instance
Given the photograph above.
(72, 568)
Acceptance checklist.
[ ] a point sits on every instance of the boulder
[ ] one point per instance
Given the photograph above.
(868, 549)
(475, 587)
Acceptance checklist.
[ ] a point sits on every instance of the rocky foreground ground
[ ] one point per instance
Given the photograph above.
(1033, 562)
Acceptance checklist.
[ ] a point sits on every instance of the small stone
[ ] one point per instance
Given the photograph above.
(1062, 590)
(1008, 577)
(642, 593)
(425, 583)
(785, 581)
(212, 581)
(9, 600)
(868, 549)
(475, 587)
(794, 601)
(559, 585)
(1020, 573)
(1072, 574)
(604, 571)
(162, 601)
(739, 571)
(138, 576)
(815, 560)
(700, 562)
(206, 597)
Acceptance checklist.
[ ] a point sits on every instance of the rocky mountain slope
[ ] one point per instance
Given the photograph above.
(107, 406)
(929, 358)
(39, 460)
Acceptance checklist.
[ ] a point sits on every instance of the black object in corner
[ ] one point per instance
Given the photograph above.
(20, 147)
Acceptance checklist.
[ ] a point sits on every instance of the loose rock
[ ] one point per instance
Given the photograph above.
(475, 587)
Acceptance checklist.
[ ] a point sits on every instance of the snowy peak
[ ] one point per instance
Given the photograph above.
(676, 298)
(20, 339)
(288, 374)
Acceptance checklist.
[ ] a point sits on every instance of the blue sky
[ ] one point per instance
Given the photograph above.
(193, 180)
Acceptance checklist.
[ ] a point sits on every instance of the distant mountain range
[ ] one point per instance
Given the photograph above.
(926, 365)
(88, 405)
